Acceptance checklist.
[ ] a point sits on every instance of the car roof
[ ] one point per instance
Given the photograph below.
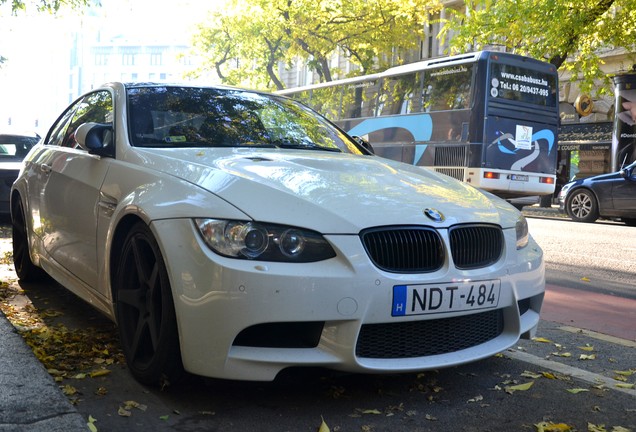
(7, 131)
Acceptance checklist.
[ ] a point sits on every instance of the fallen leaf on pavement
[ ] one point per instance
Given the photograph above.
(519, 387)
(552, 427)
(323, 427)
(91, 424)
(577, 390)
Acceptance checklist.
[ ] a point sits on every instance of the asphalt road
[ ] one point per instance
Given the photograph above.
(599, 257)
(569, 376)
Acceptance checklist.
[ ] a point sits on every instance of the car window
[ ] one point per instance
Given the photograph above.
(15, 146)
(96, 107)
(207, 117)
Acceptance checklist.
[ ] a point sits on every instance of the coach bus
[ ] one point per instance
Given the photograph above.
(486, 118)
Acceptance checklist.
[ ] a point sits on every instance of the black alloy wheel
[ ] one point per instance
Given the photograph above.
(145, 310)
(582, 206)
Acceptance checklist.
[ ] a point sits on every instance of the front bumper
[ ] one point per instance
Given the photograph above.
(249, 320)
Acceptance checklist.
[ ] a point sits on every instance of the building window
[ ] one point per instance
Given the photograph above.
(156, 59)
(101, 59)
(162, 76)
(128, 59)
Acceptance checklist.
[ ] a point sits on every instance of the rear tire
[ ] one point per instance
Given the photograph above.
(24, 267)
(145, 310)
(582, 206)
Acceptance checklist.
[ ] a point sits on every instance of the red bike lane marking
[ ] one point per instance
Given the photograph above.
(602, 313)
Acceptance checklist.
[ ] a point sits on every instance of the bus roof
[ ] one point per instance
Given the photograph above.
(407, 68)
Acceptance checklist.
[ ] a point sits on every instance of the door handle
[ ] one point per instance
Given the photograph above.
(46, 169)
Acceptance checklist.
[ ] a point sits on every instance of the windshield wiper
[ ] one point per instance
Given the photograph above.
(280, 143)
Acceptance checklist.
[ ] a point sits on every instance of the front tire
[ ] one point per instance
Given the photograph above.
(145, 310)
(582, 206)
(24, 267)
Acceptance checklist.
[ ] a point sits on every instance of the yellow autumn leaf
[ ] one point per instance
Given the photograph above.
(564, 354)
(620, 429)
(620, 378)
(519, 387)
(585, 279)
(625, 385)
(577, 390)
(587, 357)
(591, 427)
(132, 404)
(371, 411)
(123, 412)
(552, 427)
(99, 373)
(624, 373)
(548, 375)
(323, 427)
(91, 424)
(540, 339)
(528, 374)
(69, 390)
(586, 348)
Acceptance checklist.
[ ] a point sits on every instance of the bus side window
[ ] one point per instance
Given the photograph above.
(396, 95)
(358, 100)
(327, 101)
(447, 89)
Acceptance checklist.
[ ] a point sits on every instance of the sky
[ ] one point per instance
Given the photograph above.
(34, 80)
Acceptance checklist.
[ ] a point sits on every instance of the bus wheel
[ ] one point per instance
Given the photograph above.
(582, 206)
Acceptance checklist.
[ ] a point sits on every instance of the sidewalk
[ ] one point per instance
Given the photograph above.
(535, 210)
(30, 400)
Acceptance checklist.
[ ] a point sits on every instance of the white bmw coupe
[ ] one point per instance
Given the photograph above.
(232, 234)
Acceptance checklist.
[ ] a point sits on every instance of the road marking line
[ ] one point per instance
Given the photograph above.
(589, 377)
(600, 336)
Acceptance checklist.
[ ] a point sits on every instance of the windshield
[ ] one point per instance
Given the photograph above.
(211, 117)
(15, 146)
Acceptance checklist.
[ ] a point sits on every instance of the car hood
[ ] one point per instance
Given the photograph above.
(330, 192)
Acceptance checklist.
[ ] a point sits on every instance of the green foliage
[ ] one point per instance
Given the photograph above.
(243, 41)
(568, 34)
(50, 6)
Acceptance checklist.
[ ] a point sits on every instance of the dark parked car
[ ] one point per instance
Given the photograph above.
(608, 196)
(13, 148)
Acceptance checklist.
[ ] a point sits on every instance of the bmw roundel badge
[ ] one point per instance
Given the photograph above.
(434, 215)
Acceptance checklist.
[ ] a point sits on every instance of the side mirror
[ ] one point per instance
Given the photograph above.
(95, 137)
(364, 144)
(627, 173)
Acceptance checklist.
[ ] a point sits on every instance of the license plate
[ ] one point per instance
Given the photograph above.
(519, 177)
(447, 297)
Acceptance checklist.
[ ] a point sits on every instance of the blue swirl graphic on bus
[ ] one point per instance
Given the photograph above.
(420, 126)
(535, 149)
(545, 134)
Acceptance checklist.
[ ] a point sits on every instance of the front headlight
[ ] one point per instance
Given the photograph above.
(263, 242)
(564, 189)
(523, 234)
